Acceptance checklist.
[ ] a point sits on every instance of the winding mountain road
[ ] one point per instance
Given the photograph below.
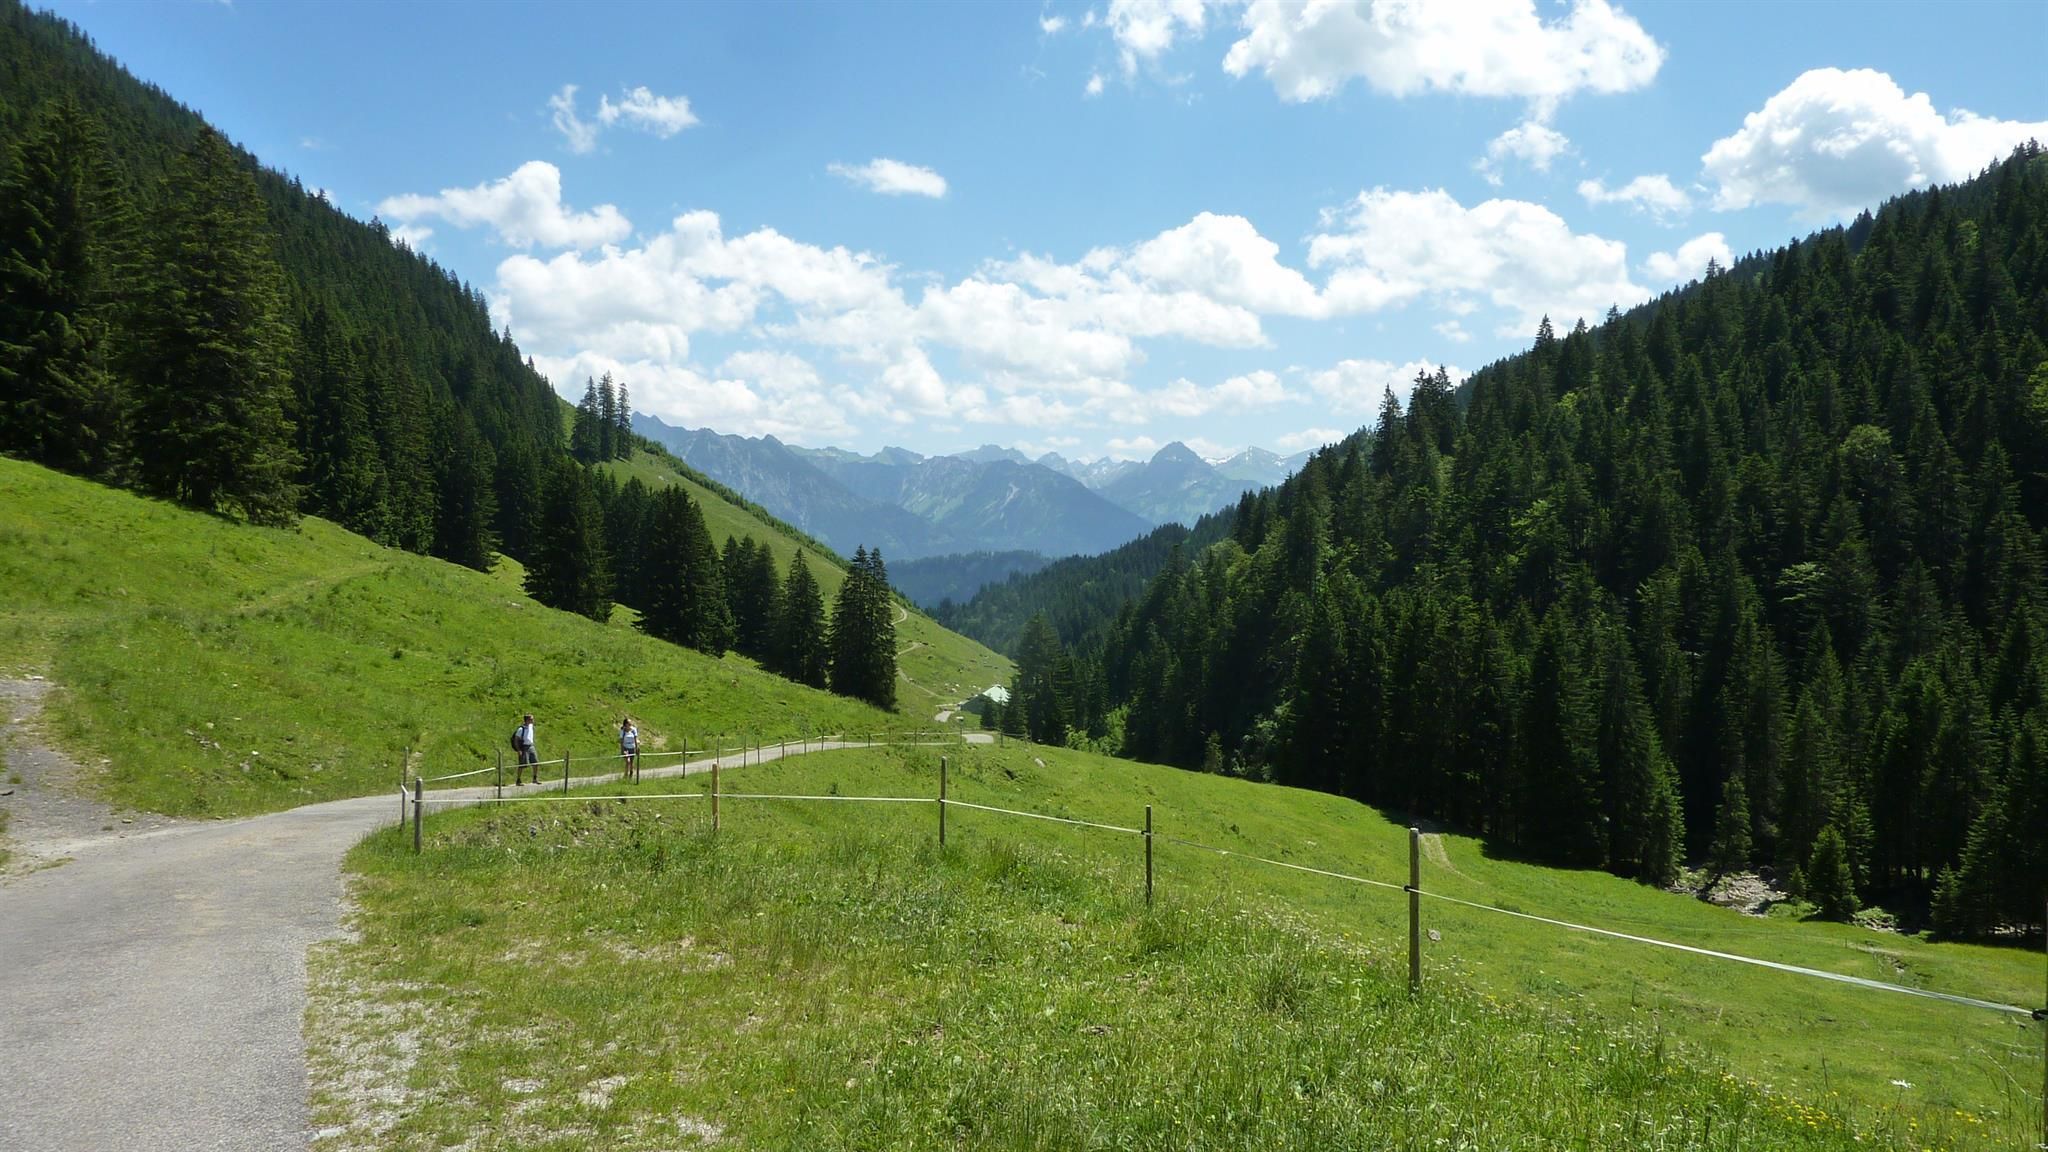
(152, 988)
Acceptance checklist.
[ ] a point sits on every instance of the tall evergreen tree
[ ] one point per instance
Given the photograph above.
(801, 650)
(467, 507)
(569, 569)
(587, 431)
(863, 633)
(210, 420)
(62, 237)
(622, 429)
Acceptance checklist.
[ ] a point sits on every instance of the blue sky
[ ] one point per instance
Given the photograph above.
(1093, 227)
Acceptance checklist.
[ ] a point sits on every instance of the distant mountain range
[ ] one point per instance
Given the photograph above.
(990, 499)
(1178, 486)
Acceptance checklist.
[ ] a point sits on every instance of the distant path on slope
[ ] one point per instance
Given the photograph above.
(155, 986)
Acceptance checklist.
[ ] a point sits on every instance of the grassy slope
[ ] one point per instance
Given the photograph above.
(217, 669)
(821, 977)
(942, 667)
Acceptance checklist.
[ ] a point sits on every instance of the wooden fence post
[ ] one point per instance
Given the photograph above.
(1414, 910)
(1148, 855)
(419, 788)
(499, 779)
(2042, 1016)
(714, 795)
(942, 801)
(565, 773)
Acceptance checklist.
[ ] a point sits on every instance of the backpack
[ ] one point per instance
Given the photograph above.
(516, 745)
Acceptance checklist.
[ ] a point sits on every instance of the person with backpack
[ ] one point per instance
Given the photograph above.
(629, 748)
(522, 743)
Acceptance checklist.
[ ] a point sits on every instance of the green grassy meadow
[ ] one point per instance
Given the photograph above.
(210, 669)
(823, 975)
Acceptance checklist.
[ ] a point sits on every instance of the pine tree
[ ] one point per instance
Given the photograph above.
(1560, 804)
(211, 429)
(1035, 689)
(344, 477)
(467, 504)
(569, 569)
(801, 650)
(682, 580)
(605, 426)
(62, 232)
(622, 434)
(587, 432)
(1732, 846)
(863, 633)
(1829, 883)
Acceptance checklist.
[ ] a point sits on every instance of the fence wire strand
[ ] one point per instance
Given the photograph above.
(1857, 981)
(951, 803)
(1281, 863)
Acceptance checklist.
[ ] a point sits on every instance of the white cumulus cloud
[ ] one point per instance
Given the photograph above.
(1186, 399)
(578, 133)
(524, 208)
(1225, 258)
(1834, 142)
(638, 107)
(1689, 262)
(892, 178)
(1390, 248)
(1145, 29)
(662, 115)
(1533, 143)
(1654, 194)
(1476, 47)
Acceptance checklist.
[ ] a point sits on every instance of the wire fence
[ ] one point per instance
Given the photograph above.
(1413, 889)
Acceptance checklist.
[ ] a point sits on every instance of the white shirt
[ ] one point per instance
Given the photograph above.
(526, 735)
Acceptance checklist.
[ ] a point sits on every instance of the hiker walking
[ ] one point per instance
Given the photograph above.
(522, 743)
(629, 748)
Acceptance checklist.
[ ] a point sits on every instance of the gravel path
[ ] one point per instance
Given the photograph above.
(155, 985)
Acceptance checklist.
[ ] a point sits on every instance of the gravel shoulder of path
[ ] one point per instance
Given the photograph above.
(51, 813)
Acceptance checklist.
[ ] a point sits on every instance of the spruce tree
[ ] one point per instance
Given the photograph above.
(1035, 689)
(801, 650)
(622, 433)
(1732, 845)
(1829, 883)
(662, 555)
(587, 430)
(569, 569)
(467, 503)
(210, 426)
(345, 480)
(605, 427)
(706, 620)
(62, 222)
(863, 633)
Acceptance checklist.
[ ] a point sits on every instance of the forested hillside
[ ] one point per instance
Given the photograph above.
(1079, 596)
(1752, 575)
(180, 318)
